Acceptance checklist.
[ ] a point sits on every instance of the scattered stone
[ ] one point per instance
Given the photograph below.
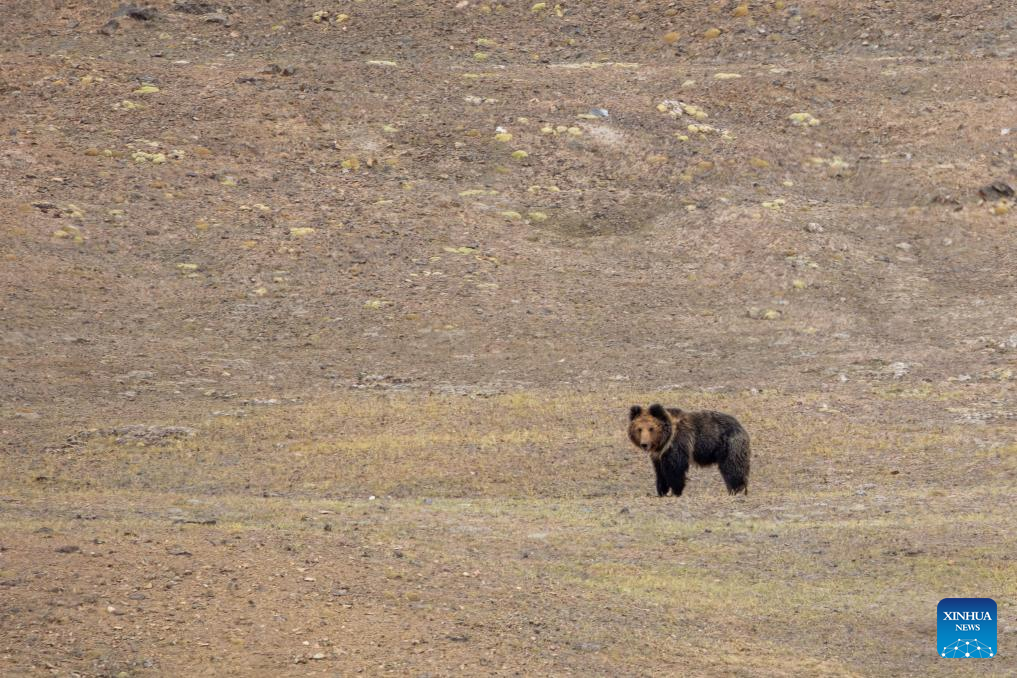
(31, 416)
(70, 548)
(135, 12)
(138, 433)
(276, 69)
(899, 369)
(678, 108)
(813, 227)
(996, 190)
(189, 7)
(110, 27)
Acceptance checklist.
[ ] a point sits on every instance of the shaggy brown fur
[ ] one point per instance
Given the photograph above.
(673, 436)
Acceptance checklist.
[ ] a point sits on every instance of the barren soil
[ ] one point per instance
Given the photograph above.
(318, 334)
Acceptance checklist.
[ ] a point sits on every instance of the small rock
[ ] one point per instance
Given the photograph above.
(70, 548)
(813, 228)
(318, 655)
(31, 416)
(276, 69)
(194, 7)
(149, 434)
(599, 112)
(899, 370)
(110, 27)
(135, 12)
(996, 190)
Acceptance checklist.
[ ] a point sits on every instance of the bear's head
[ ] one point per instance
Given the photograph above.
(650, 429)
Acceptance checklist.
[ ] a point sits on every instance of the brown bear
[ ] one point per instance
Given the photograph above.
(673, 436)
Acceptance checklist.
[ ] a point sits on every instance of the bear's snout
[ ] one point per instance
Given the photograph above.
(645, 446)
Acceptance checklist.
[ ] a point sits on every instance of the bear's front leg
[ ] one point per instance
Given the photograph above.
(662, 485)
(674, 465)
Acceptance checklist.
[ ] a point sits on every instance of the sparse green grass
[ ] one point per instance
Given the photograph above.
(540, 494)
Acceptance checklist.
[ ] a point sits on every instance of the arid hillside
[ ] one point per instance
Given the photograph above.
(319, 323)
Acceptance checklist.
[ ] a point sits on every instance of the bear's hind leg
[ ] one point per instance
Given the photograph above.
(735, 464)
(735, 474)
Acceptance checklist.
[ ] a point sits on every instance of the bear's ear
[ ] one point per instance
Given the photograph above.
(657, 411)
(635, 411)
